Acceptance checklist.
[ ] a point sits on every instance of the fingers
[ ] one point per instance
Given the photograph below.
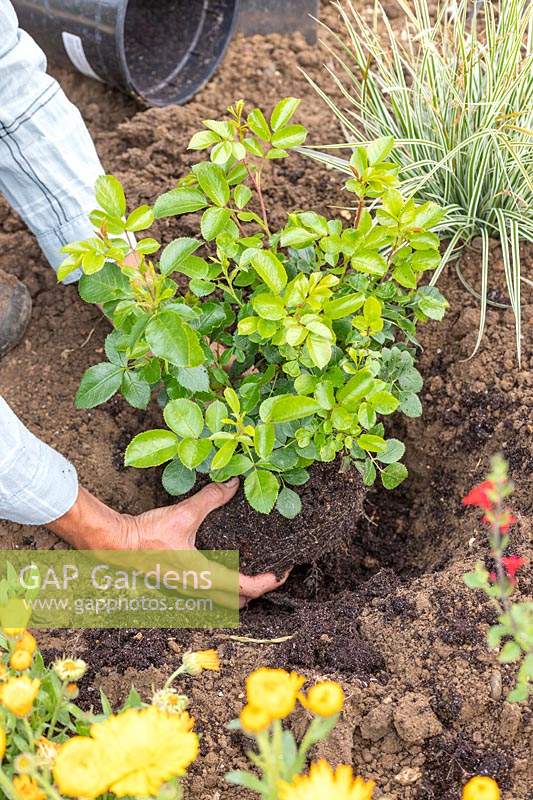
(253, 586)
(207, 499)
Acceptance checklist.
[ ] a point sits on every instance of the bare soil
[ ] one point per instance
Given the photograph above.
(387, 614)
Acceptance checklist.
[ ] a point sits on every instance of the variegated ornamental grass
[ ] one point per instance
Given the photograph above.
(456, 92)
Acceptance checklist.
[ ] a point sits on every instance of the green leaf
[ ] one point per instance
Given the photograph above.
(195, 379)
(140, 219)
(395, 450)
(369, 472)
(147, 246)
(110, 195)
(384, 402)
(393, 475)
(136, 390)
(296, 477)
(223, 456)
(405, 276)
(258, 124)
(238, 465)
(287, 407)
(319, 350)
(177, 479)
(289, 136)
(288, 503)
(374, 444)
(202, 140)
(238, 777)
(410, 405)
(185, 418)
(297, 238)
(270, 270)
(215, 413)
(213, 182)
(379, 149)
(179, 201)
(151, 448)
(192, 452)
(213, 222)
(176, 253)
(107, 285)
(509, 653)
(283, 112)
(370, 262)
(264, 439)
(98, 384)
(170, 338)
(261, 489)
(92, 262)
(344, 306)
(431, 302)
(242, 195)
(357, 387)
(269, 306)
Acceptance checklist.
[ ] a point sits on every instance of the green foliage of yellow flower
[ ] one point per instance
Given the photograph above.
(18, 694)
(325, 783)
(274, 691)
(254, 719)
(481, 788)
(26, 788)
(324, 699)
(196, 662)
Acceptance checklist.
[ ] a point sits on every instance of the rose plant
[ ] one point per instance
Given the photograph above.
(269, 350)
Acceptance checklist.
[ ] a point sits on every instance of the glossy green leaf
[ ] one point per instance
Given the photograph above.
(98, 384)
(289, 503)
(212, 182)
(151, 448)
(270, 270)
(261, 489)
(176, 253)
(140, 219)
(184, 417)
(287, 407)
(393, 475)
(110, 195)
(264, 439)
(172, 339)
(179, 201)
(178, 479)
(192, 452)
(283, 112)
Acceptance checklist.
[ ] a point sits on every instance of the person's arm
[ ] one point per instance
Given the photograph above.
(48, 163)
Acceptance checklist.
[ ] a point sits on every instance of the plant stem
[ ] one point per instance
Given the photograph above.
(53, 721)
(6, 785)
(173, 677)
(256, 180)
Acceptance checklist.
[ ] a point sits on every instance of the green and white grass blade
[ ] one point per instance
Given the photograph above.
(455, 90)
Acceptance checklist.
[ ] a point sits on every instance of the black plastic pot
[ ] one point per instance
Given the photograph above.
(279, 16)
(160, 51)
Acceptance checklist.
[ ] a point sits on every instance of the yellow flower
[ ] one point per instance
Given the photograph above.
(170, 700)
(481, 788)
(274, 691)
(26, 788)
(20, 660)
(4, 674)
(324, 783)
(3, 743)
(81, 768)
(18, 694)
(26, 642)
(195, 663)
(324, 699)
(70, 669)
(254, 719)
(154, 747)
(72, 691)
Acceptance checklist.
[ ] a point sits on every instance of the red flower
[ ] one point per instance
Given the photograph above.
(510, 519)
(478, 496)
(512, 564)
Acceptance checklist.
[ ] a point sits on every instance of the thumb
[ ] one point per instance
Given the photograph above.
(210, 497)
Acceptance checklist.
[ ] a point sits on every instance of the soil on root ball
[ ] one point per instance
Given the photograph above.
(332, 503)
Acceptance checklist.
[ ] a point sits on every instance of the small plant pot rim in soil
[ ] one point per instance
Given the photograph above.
(332, 504)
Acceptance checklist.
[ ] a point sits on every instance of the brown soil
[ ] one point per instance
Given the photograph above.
(389, 615)
(332, 504)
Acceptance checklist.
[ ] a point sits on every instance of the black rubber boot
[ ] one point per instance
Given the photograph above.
(15, 311)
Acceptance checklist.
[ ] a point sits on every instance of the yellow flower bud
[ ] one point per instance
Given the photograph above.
(20, 660)
(253, 719)
(324, 699)
(196, 662)
(481, 788)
